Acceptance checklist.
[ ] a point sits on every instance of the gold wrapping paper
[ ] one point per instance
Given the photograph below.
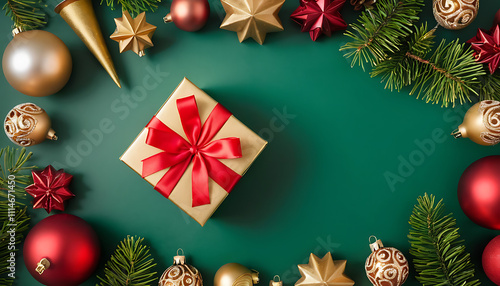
(251, 146)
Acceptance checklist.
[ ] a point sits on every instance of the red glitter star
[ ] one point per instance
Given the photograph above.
(50, 189)
(487, 47)
(319, 16)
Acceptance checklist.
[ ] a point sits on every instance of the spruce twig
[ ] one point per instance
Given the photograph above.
(490, 87)
(26, 14)
(439, 254)
(131, 264)
(14, 170)
(134, 7)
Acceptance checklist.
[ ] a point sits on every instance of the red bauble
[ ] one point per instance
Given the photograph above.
(491, 260)
(496, 21)
(188, 15)
(68, 243)
(479, 192)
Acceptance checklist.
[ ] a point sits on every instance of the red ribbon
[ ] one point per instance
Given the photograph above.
(204, 153)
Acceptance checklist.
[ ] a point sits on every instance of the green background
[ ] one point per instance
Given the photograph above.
(319, 186)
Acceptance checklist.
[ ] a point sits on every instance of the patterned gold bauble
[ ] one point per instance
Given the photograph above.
(27, 124)
(235, 274)
(481, 123)
(455, 14)
(386, 266)
(181, 274)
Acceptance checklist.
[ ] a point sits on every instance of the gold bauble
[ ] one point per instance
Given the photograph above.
(455, 14)
(481, 123)
(386, 266)
(181, 274)
(235, 274)
(27, 124)
(37, 63)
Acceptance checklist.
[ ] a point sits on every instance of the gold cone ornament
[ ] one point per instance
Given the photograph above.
(323, 272)
(133, 34)
(181, 274)
(235, 274)
(80, 16)
(386, 266)
(481, 123)
(28, 124)
(455, 14)
(252, 18)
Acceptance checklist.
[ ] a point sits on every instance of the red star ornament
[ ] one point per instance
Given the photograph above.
(50, 189)
(320, 16)
(486, 47)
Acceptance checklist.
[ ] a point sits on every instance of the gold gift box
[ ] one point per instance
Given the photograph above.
(251, 146)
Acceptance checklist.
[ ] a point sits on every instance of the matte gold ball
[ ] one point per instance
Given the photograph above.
(233, 274)
(455, 14)
(27, 124)
(37, 63)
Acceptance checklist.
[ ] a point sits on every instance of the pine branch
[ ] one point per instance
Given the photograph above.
(14, 175)
(26, 14)
(21, 221)
(450, 74)
(439, 253)
(381, 31)
(129, 265)
(490, 87)
(134, 7)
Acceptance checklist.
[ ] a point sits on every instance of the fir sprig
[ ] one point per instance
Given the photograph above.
(26, 14)
(20, 220)
(439, 254)
(131, 264)
(490, 87)
(14, 170)
(381, 31)
(134, 7)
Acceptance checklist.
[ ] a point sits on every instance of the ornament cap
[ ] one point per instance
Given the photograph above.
(180, 259)
(456, 133)
(43, 265)
(52, 135)
(141, 53)
(374, 246)
(276, 281)
(255, 276)
(168, 18)
(17, 30)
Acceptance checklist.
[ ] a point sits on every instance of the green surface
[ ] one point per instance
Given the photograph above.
(319, 186)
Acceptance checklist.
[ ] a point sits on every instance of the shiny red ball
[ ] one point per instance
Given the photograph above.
(68, 243)
(491, 260)
(479, 192)
(190, 15)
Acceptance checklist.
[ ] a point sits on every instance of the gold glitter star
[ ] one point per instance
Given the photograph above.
(133, 33)
(252, 18)
(323, 272)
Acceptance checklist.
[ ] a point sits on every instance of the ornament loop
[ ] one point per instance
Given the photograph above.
(276, 276)
(275, 282)
(180, 259)
(43, 265)
(180, 252)
(370, 239)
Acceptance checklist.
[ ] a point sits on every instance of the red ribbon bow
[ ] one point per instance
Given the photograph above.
(204, 153)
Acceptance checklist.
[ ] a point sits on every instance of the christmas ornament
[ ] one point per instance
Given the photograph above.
(319, 16)
(133, 33)
(80, 16)
(36, 63)
(481, 123)
(274, 282)
(252, 18)
(386, 266)
(28, 124)
(61, 250)
(486, 46)
(455, 14)
(359, 4)
(496, 20)
(50, 189)
(181, 274)
(235, 274)
(491, 260)
(323, 272)
(188, 15)
(479, 192)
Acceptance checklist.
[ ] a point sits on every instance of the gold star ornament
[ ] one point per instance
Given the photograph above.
(252, 18)
(323, 272)
(133, 33)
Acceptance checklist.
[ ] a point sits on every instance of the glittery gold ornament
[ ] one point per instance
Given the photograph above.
(481, 123)
(133, 33)
(27, 124)
(180, 273)
(455, 14)
(252, 18)
(386, 266)
(323, 272)
(235, 274)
